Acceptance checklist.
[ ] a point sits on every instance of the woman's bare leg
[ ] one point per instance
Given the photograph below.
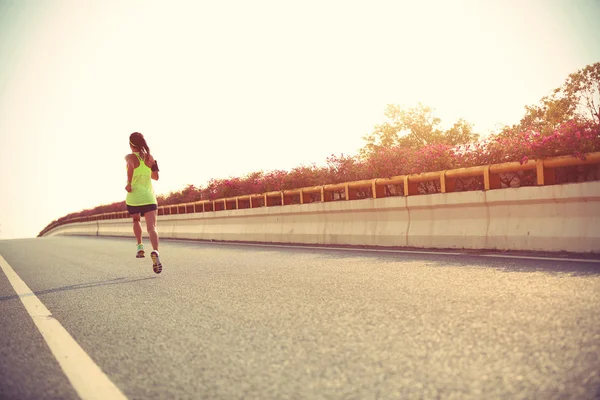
(151, 228)
(137, 228)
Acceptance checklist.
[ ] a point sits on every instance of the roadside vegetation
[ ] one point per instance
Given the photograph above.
(411, 141)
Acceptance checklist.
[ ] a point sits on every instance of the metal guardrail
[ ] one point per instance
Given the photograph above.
(545, 175)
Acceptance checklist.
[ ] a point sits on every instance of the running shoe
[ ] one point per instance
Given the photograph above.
(140, 251)
(157, 266)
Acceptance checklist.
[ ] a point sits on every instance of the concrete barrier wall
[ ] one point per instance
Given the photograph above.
(561, 217)
(543, 218)
(448, 220)
(81, 229)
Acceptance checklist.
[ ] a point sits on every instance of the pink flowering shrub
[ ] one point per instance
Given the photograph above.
(570, 138)
(346, 169)
(438, 157)
(304, 176)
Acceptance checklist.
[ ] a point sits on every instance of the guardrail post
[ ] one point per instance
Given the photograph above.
(490, 181)
(286, 199)
(351, 193)
(270, 201)
(447, 185)
(545, 176)
(378, 190)
(304, 197)
(410, 188)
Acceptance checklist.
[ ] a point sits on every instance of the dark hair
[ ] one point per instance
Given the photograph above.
(137, 140)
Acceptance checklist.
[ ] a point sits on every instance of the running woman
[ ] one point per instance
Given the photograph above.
(141, 199)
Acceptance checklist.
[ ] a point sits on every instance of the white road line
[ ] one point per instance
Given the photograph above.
(85, 376)
(320, 248)
(583, 260)
(442, 253)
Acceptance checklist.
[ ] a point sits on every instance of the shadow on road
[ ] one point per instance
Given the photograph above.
(557, 264)
(513, 264)
(564, 267)
(115, 281)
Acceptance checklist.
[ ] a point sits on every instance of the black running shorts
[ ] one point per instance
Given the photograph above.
(141, 209)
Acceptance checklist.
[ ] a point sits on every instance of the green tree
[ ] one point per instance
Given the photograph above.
(414, 128)
(547, 116)
(583, 87)
(577, 99)
(460, 133)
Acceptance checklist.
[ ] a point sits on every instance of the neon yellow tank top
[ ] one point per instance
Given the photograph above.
(142, 192)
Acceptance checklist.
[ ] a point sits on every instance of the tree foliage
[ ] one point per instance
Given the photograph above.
(577, 99)
(415, 128)
(583, 87)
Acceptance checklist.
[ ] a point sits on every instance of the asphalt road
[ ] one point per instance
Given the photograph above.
(226, 321)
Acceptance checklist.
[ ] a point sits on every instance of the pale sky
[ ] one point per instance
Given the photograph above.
(226, 88)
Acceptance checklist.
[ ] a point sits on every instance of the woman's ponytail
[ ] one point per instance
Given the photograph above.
(138, 141)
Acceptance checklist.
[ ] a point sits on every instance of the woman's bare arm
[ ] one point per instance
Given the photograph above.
(155, 173)
(153, 166)
(130, 168)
